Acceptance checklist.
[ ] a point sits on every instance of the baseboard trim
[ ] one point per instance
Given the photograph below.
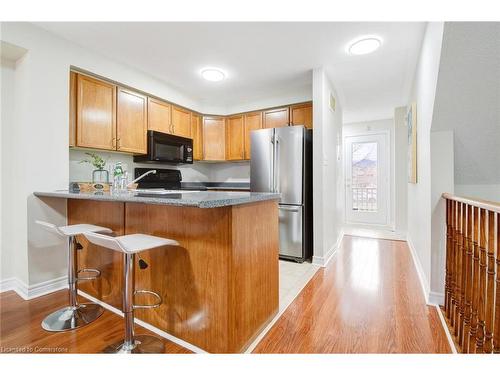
(436, 298)
(28, 292)
(323, 261)
(446, 330)
(420, 271)
(148, 326)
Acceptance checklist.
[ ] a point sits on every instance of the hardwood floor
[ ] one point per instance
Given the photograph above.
(20, 328)
(367, 300)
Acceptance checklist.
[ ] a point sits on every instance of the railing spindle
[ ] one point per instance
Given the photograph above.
(482, 281)
(496, 333)
(475, 281)
(462, 273)
(472, 274)
(468, 277)
(449, 241)
(490, 287)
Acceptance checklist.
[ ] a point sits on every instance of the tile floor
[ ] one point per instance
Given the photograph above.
(293, 277)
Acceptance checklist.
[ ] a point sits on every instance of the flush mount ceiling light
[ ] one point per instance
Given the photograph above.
(364, 45)
(213, 74)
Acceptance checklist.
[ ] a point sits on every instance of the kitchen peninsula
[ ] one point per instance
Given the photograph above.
(219, 287)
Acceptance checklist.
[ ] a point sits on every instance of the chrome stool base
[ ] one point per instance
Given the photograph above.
(69, 318)
(143, 344)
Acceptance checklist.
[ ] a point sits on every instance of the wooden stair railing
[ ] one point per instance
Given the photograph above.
(472, 279)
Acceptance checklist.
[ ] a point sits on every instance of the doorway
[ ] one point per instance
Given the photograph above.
(367, 179)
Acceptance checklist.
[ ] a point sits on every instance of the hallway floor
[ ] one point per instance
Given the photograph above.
(367, 300)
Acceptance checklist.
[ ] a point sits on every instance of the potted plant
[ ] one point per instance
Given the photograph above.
(99, 174)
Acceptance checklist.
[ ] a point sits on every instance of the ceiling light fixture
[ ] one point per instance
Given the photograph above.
(213, 74)
(364, 45)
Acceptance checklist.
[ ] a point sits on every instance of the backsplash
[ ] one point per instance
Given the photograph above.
(196, 172)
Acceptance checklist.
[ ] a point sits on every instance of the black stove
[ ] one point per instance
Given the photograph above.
(169, 179)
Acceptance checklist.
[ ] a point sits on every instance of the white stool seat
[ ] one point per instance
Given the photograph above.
(73, 230)
(130, 243)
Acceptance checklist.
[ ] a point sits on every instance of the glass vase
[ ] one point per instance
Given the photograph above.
(100, 176)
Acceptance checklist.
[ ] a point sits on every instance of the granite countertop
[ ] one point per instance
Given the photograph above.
(244, 186)
(201, 199)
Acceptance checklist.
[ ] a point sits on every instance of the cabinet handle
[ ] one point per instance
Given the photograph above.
(118, 143)
(113, 142)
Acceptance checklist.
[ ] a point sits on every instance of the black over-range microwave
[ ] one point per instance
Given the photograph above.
(167, 148)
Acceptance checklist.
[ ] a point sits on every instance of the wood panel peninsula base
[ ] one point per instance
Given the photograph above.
(219, 287)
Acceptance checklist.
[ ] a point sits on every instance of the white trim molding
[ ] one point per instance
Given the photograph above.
(436, 299)
(324, 260)
(424, 283)
(28, 292)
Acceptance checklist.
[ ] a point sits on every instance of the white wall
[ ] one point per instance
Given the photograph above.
(196, 172)
(400, 170)
(7, 118)
(419, 194)
(468, 100)
(489, 192)
(327, 169)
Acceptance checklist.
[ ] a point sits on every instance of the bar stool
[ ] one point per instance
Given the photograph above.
(129, 245)
(75, 315)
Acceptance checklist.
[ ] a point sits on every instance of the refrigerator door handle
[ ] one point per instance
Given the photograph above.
(286, 208)
(271, 168)
(276, 165)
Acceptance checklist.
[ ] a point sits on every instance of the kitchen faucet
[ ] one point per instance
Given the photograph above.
(152, 171)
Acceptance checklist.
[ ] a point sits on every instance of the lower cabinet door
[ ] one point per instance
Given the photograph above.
(291, 223)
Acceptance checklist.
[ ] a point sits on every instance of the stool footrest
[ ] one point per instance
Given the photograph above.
(151, 306)
(96, 275)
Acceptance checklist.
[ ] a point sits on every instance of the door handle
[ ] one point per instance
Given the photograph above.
(292, 209)
(276, 166)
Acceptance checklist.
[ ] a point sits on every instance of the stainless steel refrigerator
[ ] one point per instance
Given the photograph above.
(281, 161)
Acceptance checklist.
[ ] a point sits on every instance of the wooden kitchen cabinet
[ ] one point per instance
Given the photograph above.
(276, 118)
(252, 121)
(197, 135)
(235, 138)
(214, 138)
(159, 115)
(131, 122)
(95, 113)
(181, 122)
(301, 114)
(72, 109)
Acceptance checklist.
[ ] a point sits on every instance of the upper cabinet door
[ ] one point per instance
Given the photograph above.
(181, 122)
(301, 114)
(96, 113)
(159, 115)
(235, 138)
(252, 121)
(72, 109)
(276, 118)
(214, 138)
(196, 133)
(132, 121)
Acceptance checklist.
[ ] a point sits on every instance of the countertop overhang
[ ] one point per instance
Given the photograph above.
(201, 199)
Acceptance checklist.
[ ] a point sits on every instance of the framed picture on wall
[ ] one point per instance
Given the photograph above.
(411, 123)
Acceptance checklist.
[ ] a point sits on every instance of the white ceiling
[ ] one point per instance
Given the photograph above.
(263, 59)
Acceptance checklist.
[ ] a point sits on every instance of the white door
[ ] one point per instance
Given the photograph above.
(367, 179)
